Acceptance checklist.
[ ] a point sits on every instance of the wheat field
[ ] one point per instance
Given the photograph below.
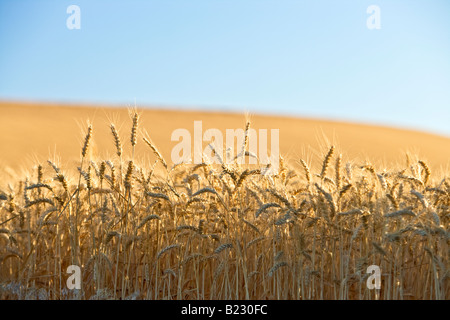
(153, 230)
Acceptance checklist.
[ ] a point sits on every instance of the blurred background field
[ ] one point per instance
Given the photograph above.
(33, 133)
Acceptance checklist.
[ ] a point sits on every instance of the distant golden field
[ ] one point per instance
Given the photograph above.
(31, 133)
(77, 191)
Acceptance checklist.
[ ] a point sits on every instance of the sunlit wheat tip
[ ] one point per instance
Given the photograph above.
(87, 141)
(166, 249)
(326, 162)
(276, 267)
(223, 247)
(134, 129)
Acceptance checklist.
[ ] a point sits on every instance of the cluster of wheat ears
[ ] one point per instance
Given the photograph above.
(223, 231)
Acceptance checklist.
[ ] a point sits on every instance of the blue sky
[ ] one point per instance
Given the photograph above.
(303, 58)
